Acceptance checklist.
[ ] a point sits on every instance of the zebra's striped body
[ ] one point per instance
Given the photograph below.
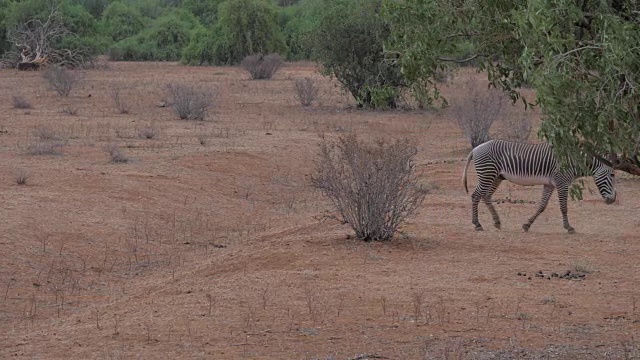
(529, 164)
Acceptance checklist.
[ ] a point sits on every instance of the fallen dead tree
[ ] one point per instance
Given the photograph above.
(35, 45)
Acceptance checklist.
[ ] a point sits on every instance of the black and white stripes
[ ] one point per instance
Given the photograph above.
(529, 164)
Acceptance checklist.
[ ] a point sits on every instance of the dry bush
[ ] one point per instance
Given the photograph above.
(20, 102)
(116, 155)
(70, 110)
(306, 91)
(45, 148)
(21, 177)
(62, 80)
(190, 103)
(373, 186)
(518, 129)
(148, 132)
(261, 66)
(45, 132)
(120, 103)
(476, 112)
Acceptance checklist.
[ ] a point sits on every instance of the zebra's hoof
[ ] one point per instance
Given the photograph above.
(497, 225)
(526, 227)
(479, 228)
(571, 230)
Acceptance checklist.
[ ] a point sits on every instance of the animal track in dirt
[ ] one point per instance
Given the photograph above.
(568, 275)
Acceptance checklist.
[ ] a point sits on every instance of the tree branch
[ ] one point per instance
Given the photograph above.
(459, 61)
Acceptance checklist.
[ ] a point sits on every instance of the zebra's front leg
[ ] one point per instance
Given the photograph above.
(563, 193)
(546, 194)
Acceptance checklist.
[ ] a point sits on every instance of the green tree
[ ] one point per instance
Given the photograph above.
(244, 27)
(120, 21)
(205, 10)
(164, 40)
(348, 42)
(580, 56)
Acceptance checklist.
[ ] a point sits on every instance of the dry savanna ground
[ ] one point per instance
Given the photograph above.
(210, 242)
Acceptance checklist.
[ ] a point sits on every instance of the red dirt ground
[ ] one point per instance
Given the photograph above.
(215, 250)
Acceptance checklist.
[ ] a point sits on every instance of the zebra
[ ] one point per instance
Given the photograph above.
(530, 164)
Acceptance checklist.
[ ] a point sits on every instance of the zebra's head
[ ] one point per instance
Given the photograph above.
(604, 177)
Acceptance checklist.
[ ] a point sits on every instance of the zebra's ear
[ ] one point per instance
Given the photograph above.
(614, 159)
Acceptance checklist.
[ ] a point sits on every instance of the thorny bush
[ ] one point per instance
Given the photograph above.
(374, 186)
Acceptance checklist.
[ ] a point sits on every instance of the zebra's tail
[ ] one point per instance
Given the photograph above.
(464, 174)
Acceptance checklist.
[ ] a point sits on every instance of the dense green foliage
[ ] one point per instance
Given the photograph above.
(349, 43)
(163, 40)
(120, 21)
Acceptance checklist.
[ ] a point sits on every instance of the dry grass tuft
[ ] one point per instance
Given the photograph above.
(121, 105)
(21, 177)
(45, 148)
(261, 67)
(306, 91)
(190, 103)
(20, 102)
(116, 155)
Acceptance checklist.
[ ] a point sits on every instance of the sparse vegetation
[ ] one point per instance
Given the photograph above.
(20, 102)
(46, 132)
(116, 155)
(261, 67)
(190, 103)
(476, 112)
(150, 131)
(61, 80)
(374, 187)
(21, 177)
(517, 129)
(120, 103)
(70, 110)
(306, 91)
(45, 148)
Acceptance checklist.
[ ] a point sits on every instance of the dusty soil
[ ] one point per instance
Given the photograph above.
(210, 242)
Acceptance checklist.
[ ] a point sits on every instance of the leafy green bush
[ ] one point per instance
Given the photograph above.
(244, 27)
(120, 21)
(206, 11)
(348, 43)
(199, 51)
(164, 40)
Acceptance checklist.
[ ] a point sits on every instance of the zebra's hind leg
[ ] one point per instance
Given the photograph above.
(488, 202)
(475, 199)
(546, 194)
(563, 193)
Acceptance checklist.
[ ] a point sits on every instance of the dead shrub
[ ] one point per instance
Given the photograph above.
(306, 91)
(518, 129)
(373, 186)
(63, 81)
(44, 148)
(262, 67)
(21, 177)
(20, 102)
(148, 132)
(476, 112)
(45, 132)
(190, 103)
(116, 155)
(121, 105)
(70, 110)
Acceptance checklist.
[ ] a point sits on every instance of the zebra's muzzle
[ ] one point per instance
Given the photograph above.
(609, 200)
